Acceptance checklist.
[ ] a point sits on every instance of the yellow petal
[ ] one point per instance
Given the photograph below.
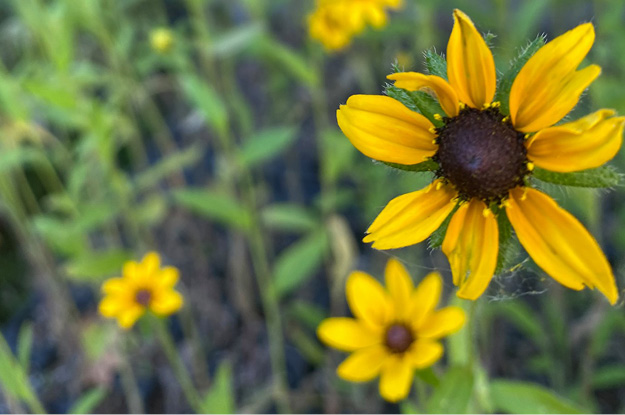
(347, 334)
(411, 218)
(399, 285)
(471, 245)
(442, 323)
(396, 378)
(583, 144)
(128, 317)
(111, 305)
(368, 300)
(363, 365)
(425, 298)
(559, 243)
(167, 277)
(548, 86)
(424, 353)
(114, 286)
(150, 263)
(384, 129)
(470, 63)
(166, 302)
(414, 81)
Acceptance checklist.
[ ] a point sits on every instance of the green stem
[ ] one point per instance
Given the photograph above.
(180, 370)
(129, 384)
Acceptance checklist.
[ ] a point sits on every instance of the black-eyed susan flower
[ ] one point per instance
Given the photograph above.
(335, 22)
(395, 331)
(143, 286)
(485, 158)
(161, 39)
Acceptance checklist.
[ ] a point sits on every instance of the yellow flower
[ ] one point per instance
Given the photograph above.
(142, 286)
(395, 331)
(335, 22)
(486, 158)
(161, 39)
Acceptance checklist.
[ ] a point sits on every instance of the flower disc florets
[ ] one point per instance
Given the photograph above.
(398, 338)
(481, 154)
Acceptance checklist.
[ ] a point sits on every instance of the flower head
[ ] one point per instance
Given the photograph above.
(143, 286)
(396, 330)
(161, 39)
(335, 22)
(486, 155)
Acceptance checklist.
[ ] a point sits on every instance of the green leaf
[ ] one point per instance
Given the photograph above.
(95, 266)
(299, 262)
(428, 165)
(287, 59)
(24, 346)
(204, 97)
(59, 235)
(214, 205)
(19, 157)
(428, 376)
(517, 397)
(220, 397)
(417, 101)
(168, 165)
(289, 217)
(265, 145)
(407, 407)
(306, 313)
(307, 345)
(505, 82)
(609, 377)
(602, 177)
(438, 236)
(235, 40)
(88, 401)
(453, 394)
(435, 63)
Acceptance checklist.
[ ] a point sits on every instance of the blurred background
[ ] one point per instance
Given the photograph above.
(205, 130)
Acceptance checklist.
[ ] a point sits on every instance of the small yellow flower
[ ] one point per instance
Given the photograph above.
(161, 39)
(395, 332)
(335, 22)
(142, 286)
(486, 158)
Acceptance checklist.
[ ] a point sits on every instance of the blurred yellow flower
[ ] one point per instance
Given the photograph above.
(485, 157)
(161, 39)
(335, 22)
(142, 286)
(395, 331)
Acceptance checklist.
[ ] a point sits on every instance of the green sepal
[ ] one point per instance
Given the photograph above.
(505, 82)
(417, 101)
(600, 177)
(428, 165)
(508, 245)
(438, 236)
(435, 63)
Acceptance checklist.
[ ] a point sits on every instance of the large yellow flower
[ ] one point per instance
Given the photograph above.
(395, 331)
(485, 159)
(335, 22)
(143, 286)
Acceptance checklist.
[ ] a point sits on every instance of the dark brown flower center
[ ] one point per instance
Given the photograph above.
(398, 338)
(143, 297)
(481, 154)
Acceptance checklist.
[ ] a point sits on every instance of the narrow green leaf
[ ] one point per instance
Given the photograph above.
(307, 345)
(299, 262)
(220, 397)
(95, 266)
(453, 394)
(20, 157)
(88, 401)
(407, 407)
(600, 177)
(428, 165)
(438, 236)
(428, 376)
(517, 397)
(168, 165)
(287, 59)
(306, 313)
(505, 82)
(235, 40)
(204, 97)
(289, 217)
(59, 235)
(24, 346)
(265, 145)
(214, 205)
(609, 377)
(435, 63)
